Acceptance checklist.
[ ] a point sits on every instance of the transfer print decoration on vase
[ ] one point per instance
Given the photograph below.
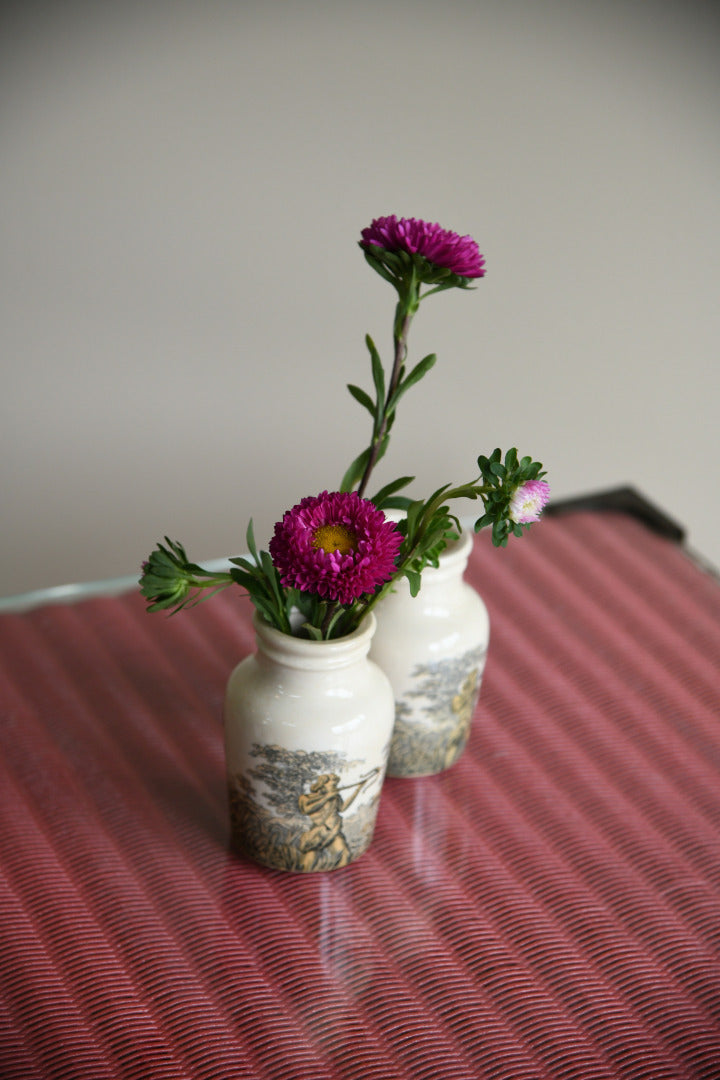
(303, 811)
(432, 720)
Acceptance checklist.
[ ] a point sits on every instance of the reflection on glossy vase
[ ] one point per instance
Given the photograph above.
(307, 735)
(433, 648)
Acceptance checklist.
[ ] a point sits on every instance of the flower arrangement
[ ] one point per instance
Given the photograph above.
(333, 556)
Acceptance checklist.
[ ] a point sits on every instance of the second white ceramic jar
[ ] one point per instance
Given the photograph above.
(433, 649)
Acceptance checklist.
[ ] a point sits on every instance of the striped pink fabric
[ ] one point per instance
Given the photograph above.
(548, 908)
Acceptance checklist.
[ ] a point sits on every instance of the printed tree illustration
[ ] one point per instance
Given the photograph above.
(446, 692)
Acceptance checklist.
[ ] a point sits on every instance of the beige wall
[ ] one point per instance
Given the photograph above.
(183, 299)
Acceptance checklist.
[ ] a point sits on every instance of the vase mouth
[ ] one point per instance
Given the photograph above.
(457, 550)
(308, 653)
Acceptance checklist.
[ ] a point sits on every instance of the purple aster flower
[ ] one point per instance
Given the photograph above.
(528, 501)
(458, 254)
(336, 545)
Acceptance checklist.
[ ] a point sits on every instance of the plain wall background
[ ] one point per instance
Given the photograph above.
(183, 299)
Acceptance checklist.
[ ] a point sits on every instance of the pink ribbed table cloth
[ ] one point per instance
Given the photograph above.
(547, 908)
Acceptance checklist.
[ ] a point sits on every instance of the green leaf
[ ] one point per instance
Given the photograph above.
(385, 492)
(363, 397)
(334, 622)
(250, 540)
(272, 578)
(265, 609)
(397, 502)
(378, 372)
(354, 474)
(455, 283)
(244, 563)
(414, 377)
(500, 531)
(242, 578)
(414, 511)
(464, 491)
(437, 494)
(421, 368)
(380, 269)
(415, 581)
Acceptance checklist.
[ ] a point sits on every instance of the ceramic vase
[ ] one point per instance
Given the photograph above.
(307, 736)
(433, 648)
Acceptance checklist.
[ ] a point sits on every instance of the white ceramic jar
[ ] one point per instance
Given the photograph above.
(307, 735)
(433, 649)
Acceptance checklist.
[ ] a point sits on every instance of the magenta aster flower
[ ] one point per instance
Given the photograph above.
(528, 502)
(458, 254)
(336, 545)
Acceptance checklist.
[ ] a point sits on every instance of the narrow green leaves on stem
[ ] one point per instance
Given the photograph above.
(379, 268)
(378, 374)
(359, 466)
(418, 372)
(401, 270)
(355, 471)
(364, 398)
(250, 540)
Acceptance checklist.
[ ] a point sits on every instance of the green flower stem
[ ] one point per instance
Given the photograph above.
(210, 587)
(185, 592)
(221, 579)
(406, 308)
(386, 588)
(473, 490)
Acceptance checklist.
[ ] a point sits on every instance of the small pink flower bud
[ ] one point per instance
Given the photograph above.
(528, 502)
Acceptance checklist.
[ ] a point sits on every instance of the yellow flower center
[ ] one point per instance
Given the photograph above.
(335, 538)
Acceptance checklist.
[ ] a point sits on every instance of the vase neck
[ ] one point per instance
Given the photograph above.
(310, 655)
(453, 560)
